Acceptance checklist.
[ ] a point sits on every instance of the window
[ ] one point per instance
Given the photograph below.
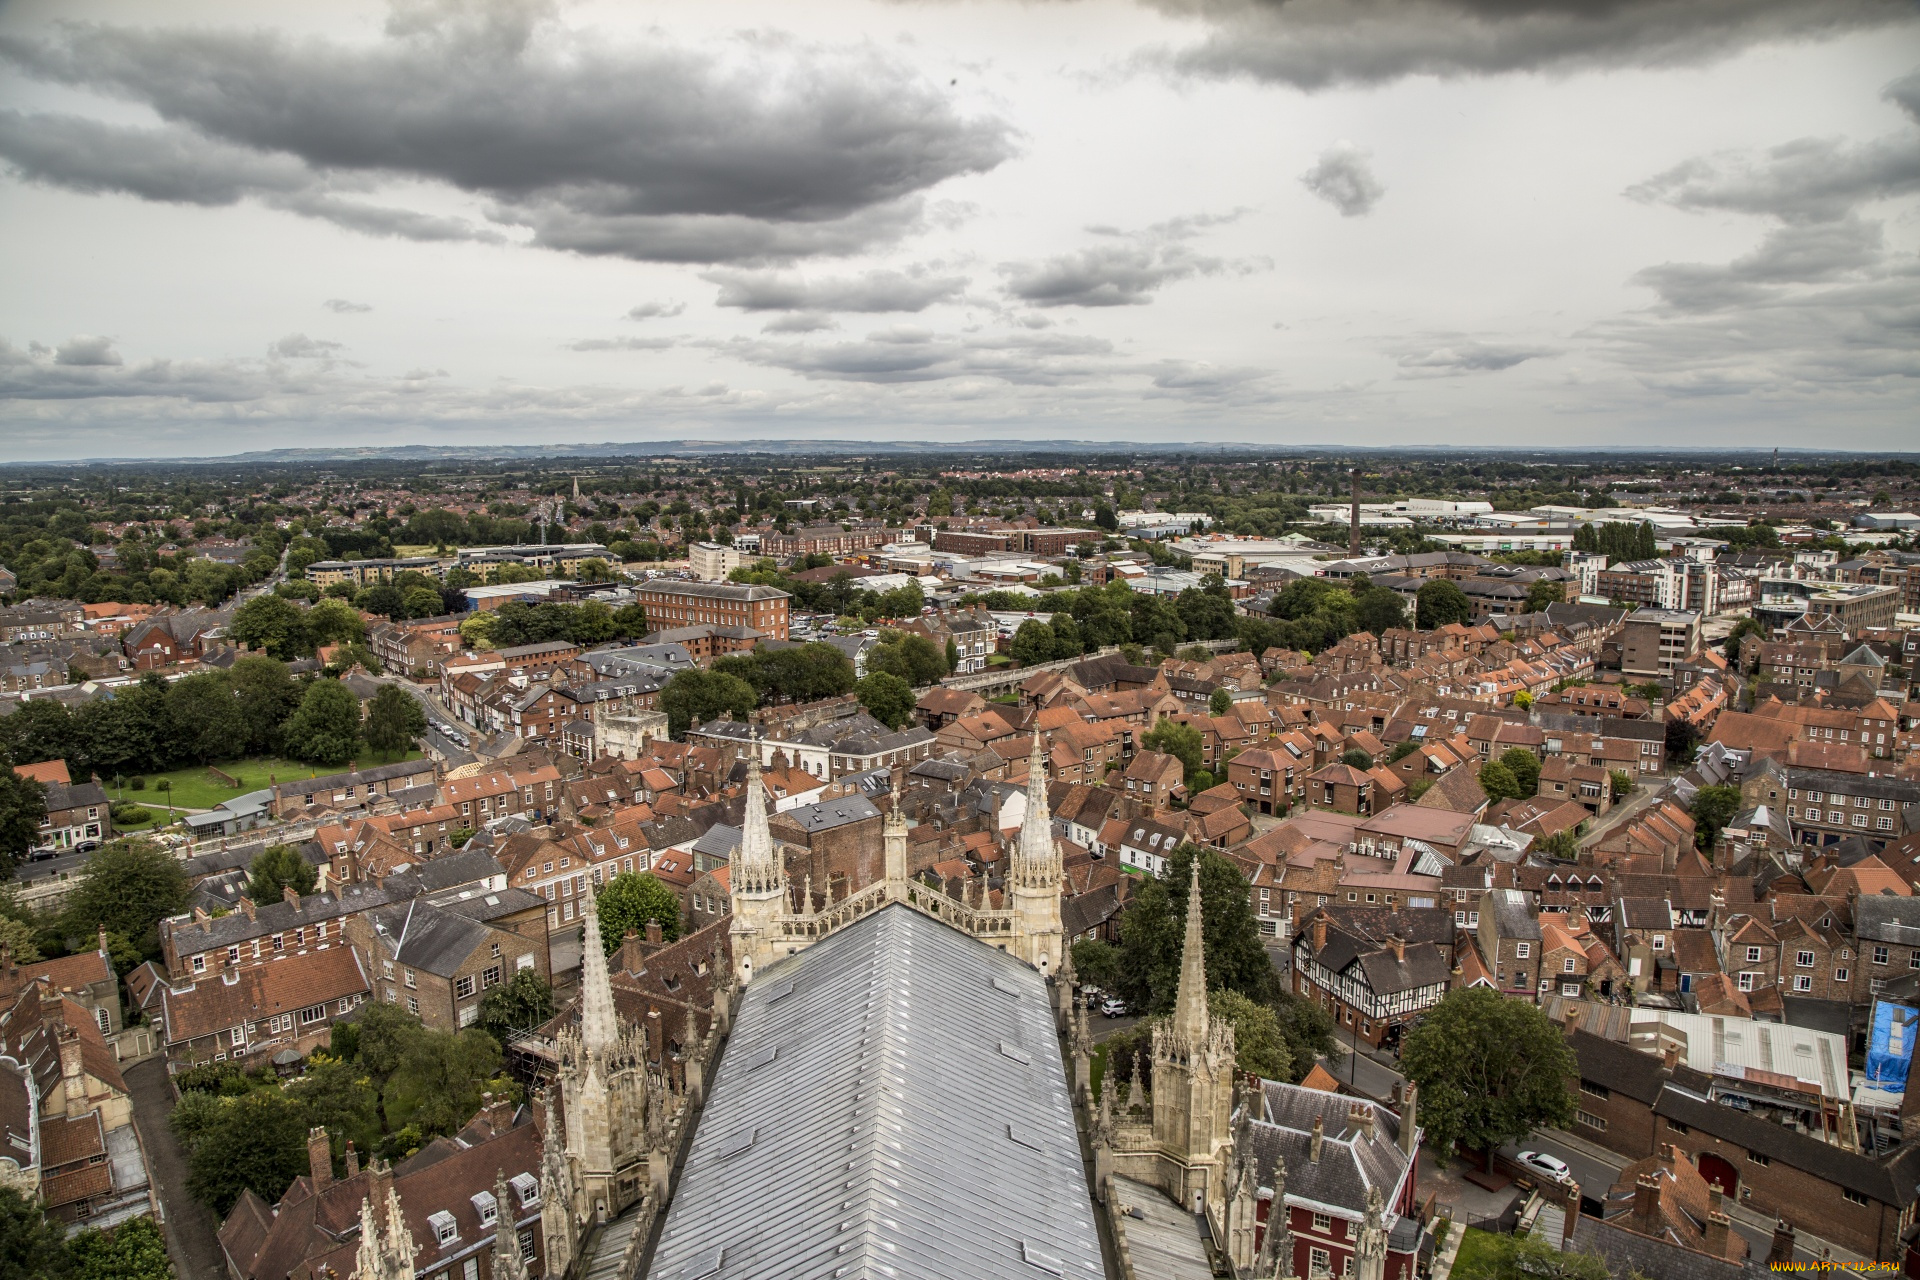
(413, 1006)
(1754, 1157)
(491, 978)
(102, 1020)
(1676, 1127)
(496, 951)
(407, 974)
(199, 964)
(1319, 1259)
(1839, 975)
(1753, 955)
(1804, 959)
(463, 986)
(445, 1229)
(470, 1269)
(1802, 982)
(1659, 942)
(1597, 1090)
(1879, 955)
(1521, 950)
(233, 955)
(1323, 1223)
(238, 1035)
(279, 942)
(312, 1013)
(526, 1244)
(1853, 1196)
(1746, 981)
(1590, 1120)
(1566, 965)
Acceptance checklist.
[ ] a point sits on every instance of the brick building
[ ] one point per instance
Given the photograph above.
(671, 603)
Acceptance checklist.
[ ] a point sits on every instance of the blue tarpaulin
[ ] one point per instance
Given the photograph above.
(1890, 1046)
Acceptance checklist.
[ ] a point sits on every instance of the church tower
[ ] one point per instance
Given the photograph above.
(758, 883)
(1193, 1077)
(1033, 879)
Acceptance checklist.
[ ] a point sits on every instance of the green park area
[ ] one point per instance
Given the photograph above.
(204, 786)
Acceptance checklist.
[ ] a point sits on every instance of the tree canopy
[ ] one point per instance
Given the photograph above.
(1439, 603)
(629, 901)
(887, 698)
(1154, 928)
(276, 869)
(326, 727)
(395, 720)
(694, 697)
(1490, 1069)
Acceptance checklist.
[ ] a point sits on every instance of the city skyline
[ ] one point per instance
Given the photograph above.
(1666, 225)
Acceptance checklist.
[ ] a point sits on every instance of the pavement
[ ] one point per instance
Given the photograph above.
(1645, 789)
(191, 1242)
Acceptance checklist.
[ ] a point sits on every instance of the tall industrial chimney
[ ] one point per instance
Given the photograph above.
(1353, 521)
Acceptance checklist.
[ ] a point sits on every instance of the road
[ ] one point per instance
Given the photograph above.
(190, 1227)
(440, 722)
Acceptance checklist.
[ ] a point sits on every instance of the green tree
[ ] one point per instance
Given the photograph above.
(1713, 808)
(1355, 758)
(274, 625)
(1498, 782)
(22, 941)
(1378, 609)
(335, 622)
(887, 698)
(909, 655)
(23, 807)
(1032, 643)
(1096, 963)
(384, 599)
(258, 1142)
(1620, 783)
(1525, 768)
(422, 602)
(394, 721)
(1543, 592)
(1683, 741)
(1564, 845)
(205, 718)
(1490, 1070)
(335, 1094)
(1439, 602)
(694, 697)
(1220, 702)
(1259, 1047)
(1503, 1257)
(953, 654)
(277, 868)
(1153, 931)
(629, 901)
(443, 1075)
(129, 886)
(265, 694)
(520, 1005)
(326, 727)
(134, 1250)
(1181, 741)
(32, 1245)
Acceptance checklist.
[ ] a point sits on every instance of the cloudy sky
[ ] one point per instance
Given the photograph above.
(229, 226)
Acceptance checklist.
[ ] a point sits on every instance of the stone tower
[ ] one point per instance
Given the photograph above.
(1193, 1078)
(1033, 878)
(758, 883)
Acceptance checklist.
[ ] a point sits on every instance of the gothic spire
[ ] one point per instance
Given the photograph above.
(599, 1024)
(1036, 861)
(1190, 1006)
(507, 1262)
(758, 868)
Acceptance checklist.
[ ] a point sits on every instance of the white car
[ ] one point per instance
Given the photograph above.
(1542, 1163)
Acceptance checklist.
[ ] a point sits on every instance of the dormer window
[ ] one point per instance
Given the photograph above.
(445, 1229)
(486, 1206)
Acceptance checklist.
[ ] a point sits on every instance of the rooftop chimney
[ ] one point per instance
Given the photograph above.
(319, 1158)
(353, 1159)
(498, 1109)
(246, 905)
(1360, 1116)
(1397, 945)
(1320, 934)
(103, 940)
(1669, 1057)
(1782, 1247)
(1719, 1232)
(289, 894)
(73, 1073)
(1574, 1014)
(1646, 1204)
(655, 936)
(1319, 1136)
(1410, 1119)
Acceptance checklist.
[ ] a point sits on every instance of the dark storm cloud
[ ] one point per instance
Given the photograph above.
(1315, 44)
(1124, 271)
(1344, 179)
(874, 291)
(653, 152)
(1449, 355)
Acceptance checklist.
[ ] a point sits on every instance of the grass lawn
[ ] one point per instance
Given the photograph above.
(1477, 1253)
(196, 788)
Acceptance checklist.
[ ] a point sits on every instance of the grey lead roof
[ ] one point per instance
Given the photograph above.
(892, 1102)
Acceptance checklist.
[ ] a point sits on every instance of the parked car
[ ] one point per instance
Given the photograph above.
(1545, 1164)
(1114, 1008)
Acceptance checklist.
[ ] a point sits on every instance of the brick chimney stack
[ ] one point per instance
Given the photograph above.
(1410, 1119)
(353, 1159)
(1719, 1233)
(1646, 1204)
(319, 1158)
(1319, 1136)
(73, 1072)
(1320, 934)
(1782, 1247)
(1397, 945)
(246, 905)
(1360, 1116)
(1669, 1057)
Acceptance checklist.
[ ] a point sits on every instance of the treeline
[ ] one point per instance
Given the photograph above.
(588, 623)
(1091, 618)
(841, 595)
(1617, 541)
(57, 565)
(255, 709)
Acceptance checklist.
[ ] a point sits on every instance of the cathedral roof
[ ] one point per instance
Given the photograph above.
(892, 1101)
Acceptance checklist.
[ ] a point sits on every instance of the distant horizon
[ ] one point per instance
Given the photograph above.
(796, 447)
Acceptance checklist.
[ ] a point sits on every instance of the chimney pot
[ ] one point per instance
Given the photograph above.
(1782, 1247)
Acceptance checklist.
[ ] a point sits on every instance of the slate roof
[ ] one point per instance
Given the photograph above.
(1886, 918)
(1349, 1163)
(425, 937)
(1890, 1182)
(829, 814)
(863, 1078)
